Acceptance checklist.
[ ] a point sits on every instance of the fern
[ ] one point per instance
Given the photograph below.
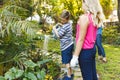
(12, 22)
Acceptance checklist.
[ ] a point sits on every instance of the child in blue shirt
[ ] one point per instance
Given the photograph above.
(101, 52)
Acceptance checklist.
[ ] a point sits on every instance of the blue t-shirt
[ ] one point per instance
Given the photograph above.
(99, 30)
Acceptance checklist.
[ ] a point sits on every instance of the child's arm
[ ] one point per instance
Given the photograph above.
(56, 32)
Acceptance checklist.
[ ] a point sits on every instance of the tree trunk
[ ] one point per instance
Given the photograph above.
(119, 10)
(1, 3)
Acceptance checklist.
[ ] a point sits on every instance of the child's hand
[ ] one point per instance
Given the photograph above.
(59, 24)
(54, 27)
(55, 32)
(74, 61)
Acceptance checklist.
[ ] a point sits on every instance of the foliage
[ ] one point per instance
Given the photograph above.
(19, 47)
(74, 7)
(13, 73)
(27, 5)
(51, 48)
(2, 78)
(48, 77)
(110, 35)
(118, 10)
(15, 34)
(45, 9)
(33, 70)
(107, 7)
(48, 8)
(53, 8)
(54, 48)
(30, 72)
(34, 64)
(12, 24)
(53, 69)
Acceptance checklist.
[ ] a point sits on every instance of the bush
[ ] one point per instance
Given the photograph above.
(110, 35)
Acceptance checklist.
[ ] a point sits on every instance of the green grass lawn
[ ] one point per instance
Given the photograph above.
(111, 69)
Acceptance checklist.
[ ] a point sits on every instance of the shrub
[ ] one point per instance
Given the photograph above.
(110, 35)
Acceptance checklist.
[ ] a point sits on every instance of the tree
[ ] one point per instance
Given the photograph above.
(1, 3)
(74, 6)
(119, 10)
(107, 7)
(27, 5)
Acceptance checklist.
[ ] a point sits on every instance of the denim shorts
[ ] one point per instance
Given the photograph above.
(67, 54)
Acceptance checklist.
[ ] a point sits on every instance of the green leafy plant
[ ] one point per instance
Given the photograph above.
(15, 34)
(2, 78)
(110, 35)
(31, 72)
(13, 73)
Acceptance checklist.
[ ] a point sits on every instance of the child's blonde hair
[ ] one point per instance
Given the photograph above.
(94, 7)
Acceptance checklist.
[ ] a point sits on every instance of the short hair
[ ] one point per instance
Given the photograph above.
(65, 14)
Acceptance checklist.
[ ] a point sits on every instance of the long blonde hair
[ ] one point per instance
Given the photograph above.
(94, 7)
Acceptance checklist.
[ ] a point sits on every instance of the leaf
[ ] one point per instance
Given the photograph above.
(9, 75)
(13, 73)
(2, 52)
(41, 74)
(25, 79)
(30, 76)
(30, 63)
(19, 73)
(44, 61)
(2, 78)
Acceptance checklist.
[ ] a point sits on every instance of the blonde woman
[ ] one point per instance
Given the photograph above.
(85, 39)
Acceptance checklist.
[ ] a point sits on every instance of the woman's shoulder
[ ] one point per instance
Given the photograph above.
(83, 18)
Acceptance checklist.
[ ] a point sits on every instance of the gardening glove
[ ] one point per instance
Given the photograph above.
(74, 61)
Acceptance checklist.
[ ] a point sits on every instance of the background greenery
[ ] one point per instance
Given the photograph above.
(21, 49)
